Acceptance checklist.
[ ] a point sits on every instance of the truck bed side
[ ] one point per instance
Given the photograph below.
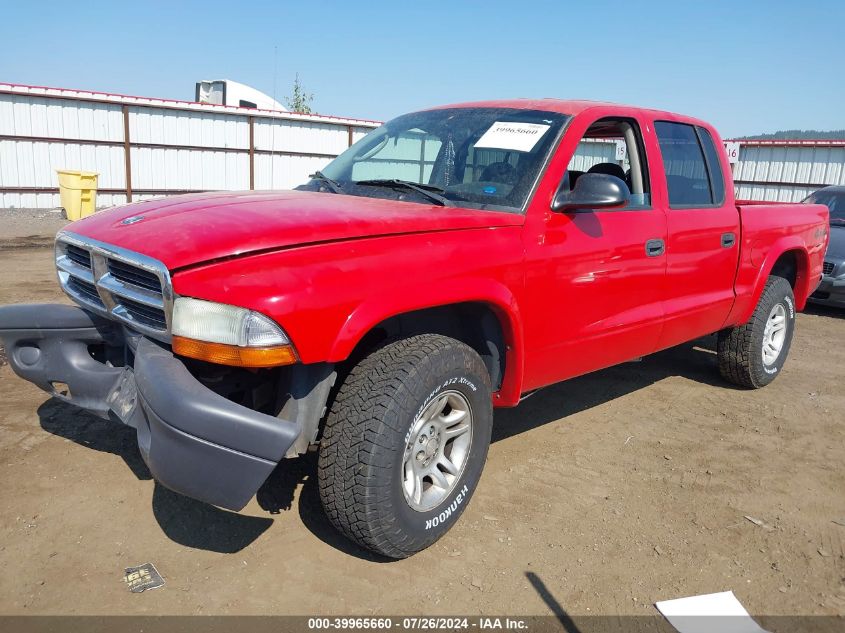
(790, 236)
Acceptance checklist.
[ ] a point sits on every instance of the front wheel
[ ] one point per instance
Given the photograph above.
(753, 354)
(405, 443)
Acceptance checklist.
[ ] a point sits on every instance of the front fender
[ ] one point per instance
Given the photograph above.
(328, 296)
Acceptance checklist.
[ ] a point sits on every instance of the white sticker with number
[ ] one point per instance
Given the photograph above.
(521, 137)
(732, 148)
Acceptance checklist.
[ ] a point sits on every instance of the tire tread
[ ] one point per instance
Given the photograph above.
(735, 346)
(356, 447)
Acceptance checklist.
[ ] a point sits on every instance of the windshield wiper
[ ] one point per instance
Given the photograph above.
(332, 184)
(432, 193)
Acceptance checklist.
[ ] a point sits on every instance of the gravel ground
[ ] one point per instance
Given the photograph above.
(601, 495)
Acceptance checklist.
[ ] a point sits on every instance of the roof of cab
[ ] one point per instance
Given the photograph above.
(566, 106)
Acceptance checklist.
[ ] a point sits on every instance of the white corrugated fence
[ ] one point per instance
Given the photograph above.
(787, 171)
(144, 147)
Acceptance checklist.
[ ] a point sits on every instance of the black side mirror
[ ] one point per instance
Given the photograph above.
(592, 191)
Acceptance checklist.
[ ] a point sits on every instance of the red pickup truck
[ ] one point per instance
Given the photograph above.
(450, 262)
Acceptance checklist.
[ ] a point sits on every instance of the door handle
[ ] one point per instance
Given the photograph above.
(728, 240)
(655, 247)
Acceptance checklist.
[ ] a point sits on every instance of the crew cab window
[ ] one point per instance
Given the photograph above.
(687, 176)
(614, 147)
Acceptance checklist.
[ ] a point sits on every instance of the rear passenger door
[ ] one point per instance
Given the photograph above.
(703, 233)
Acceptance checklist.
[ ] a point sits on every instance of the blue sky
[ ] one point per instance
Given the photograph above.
(746, 66)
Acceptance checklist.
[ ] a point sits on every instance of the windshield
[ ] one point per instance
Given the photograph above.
(834, 201)
(482, 158)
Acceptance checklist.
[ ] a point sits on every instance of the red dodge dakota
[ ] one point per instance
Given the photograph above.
(451, 261)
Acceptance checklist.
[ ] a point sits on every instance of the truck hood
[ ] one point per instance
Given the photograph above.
(187, 230)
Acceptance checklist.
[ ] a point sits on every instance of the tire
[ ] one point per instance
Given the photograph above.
(365, 468)
(742, 358)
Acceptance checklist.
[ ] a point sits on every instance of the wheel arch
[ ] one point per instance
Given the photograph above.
(489, 322)
(787, 258)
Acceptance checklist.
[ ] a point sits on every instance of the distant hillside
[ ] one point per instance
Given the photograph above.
(797, 135)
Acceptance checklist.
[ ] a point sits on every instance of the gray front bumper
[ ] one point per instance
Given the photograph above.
(193, 440)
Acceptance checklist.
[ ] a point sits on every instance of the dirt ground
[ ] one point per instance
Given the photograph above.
(601, 495)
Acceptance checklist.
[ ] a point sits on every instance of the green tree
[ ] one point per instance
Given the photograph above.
(299, 101)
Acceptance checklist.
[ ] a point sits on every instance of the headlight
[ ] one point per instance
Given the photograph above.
(228, 335)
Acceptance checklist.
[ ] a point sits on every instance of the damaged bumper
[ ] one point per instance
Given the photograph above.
(193, 440)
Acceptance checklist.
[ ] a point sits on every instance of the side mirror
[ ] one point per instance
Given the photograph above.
(592, 191)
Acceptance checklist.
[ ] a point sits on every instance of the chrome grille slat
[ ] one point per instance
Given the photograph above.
(120, 284)
(86, 291)
(135, 276)
(78, 256)
(137, 294)
(139, 313)
(70, 266)
(827, 269)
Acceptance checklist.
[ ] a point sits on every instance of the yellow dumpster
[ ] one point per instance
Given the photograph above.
(78, 191)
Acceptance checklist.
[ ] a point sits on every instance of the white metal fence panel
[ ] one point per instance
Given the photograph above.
(193, 129)
(274, 171)
(60, 118)
(174, 147)
(592, 152)
(787, 171)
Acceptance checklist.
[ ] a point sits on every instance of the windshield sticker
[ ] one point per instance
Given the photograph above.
(520, 137)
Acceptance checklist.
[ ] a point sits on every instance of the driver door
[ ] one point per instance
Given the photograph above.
(594, 278)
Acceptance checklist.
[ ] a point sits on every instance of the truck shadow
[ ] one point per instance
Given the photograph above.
(195, 524)
(183, 520)
(694, 361)
(78, 426)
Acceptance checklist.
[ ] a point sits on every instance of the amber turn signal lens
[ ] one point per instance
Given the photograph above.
(232, 355)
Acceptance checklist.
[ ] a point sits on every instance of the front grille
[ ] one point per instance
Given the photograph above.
(139, 313)
(78, 256)
(122, 285)
(827, 269)
(134, 275)
(85, 290)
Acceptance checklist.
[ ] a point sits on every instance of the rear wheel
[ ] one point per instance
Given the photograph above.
(405, 443)
(753, 354)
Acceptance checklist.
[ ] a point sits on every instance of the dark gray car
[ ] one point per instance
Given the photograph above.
(831, 291)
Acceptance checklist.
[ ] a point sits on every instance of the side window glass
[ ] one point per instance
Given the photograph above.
(683, 162)
(717, 179)
(614, 147)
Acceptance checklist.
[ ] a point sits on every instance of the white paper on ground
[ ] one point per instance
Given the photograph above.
(694, 614)
(521, 137)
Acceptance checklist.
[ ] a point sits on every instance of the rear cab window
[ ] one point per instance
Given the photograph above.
(691, 165)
